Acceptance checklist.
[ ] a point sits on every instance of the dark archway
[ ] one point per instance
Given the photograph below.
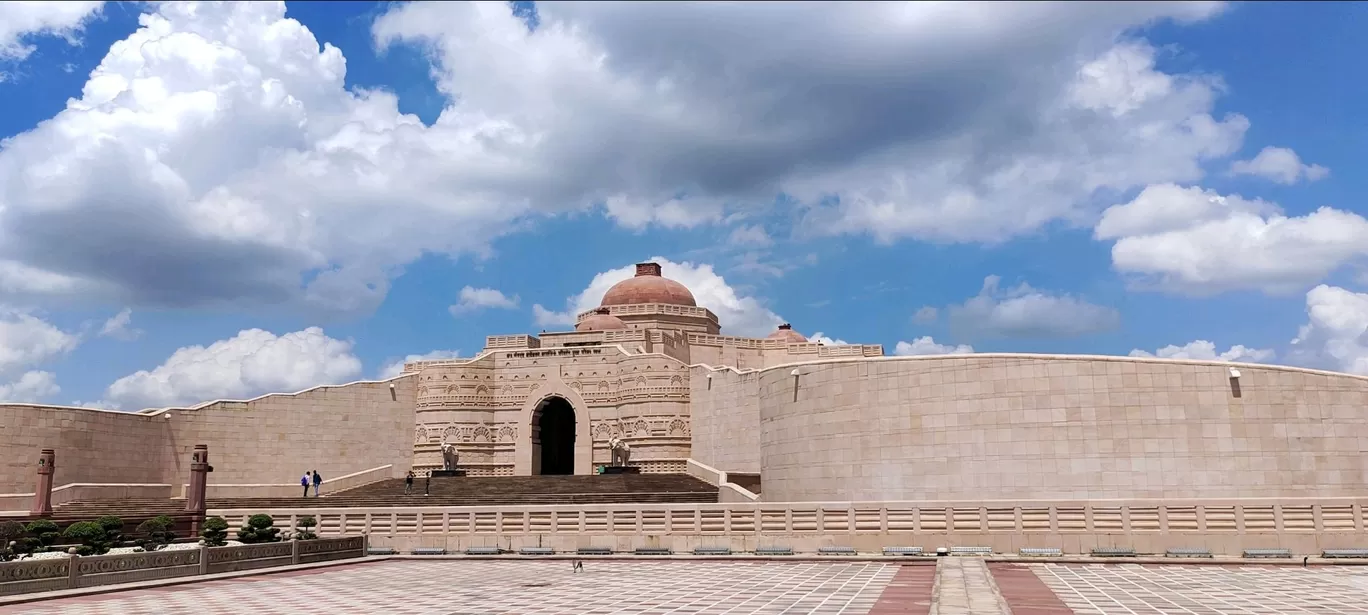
(553, 437)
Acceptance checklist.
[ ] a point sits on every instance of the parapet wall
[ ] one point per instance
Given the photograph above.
(1040, 426)
(725, 406)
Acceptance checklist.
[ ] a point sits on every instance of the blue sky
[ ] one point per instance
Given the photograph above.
(226, 174)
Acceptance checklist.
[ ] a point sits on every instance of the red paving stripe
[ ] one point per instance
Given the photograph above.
(1025, 593)
(909, 593)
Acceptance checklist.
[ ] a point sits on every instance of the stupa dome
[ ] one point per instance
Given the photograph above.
(601, 320)
(786, 333)
(648, 287)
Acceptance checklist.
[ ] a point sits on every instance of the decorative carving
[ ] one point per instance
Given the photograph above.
(420, 436)
(449, 456)
(678, 428)
(621, 451)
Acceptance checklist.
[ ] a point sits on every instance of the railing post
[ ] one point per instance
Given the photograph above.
(73, 571)
(204, 559)
(294, 551)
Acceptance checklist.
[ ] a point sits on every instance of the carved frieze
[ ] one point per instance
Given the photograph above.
(467, 433)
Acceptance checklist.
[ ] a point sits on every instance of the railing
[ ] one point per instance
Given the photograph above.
(1224, 526)
(285, 490)
(727, 491)
(39, 575)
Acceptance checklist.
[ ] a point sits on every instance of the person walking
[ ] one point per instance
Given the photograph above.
(317, 482)
(305, 482)
(427, 485)
(408, 483)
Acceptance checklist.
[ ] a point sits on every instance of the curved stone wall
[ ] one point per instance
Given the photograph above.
(1042, 427)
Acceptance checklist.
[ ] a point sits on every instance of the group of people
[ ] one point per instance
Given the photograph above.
(408, 484)
(311, 478)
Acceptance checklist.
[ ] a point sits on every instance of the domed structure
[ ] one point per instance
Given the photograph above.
(601, 320)
(648, 287)
(786, 333)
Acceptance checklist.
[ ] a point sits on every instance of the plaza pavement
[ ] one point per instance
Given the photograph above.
(948, 586)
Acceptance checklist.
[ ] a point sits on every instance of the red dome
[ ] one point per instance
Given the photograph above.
(786, 333)
(648, 287)
(600, 320)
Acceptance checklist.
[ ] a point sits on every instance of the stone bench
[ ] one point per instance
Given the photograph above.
(774, 550)
(1267, 553)
(1345, 553)
(902, 551)
(1113, 552)
(979, 551)
(653, 551)
(594, 551)
(712, 551)
(381, 551)
(484, 551)
(1186, 552)
(836, 550)
(1040, 552)
(428, 551)
(536, 551)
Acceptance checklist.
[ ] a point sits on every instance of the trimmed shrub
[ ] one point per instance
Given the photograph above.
(42, 534)
(215, 532)
(305, 527)
(259, 528)
(113, 528)
(11, 532)
(155, 533)
(90, 534)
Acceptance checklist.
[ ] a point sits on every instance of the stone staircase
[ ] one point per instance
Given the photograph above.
(454, 491)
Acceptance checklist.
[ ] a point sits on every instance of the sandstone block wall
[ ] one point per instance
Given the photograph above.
(93, 446)
(1033, 427)
(726, 419)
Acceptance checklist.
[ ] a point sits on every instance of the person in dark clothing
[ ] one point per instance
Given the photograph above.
(317, 482)
(427, 485)
(304, 481)
(408, 483)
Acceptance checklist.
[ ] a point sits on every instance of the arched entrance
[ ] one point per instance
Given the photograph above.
(553, 437)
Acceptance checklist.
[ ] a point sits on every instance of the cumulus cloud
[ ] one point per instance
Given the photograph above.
(739, 314)
(1206, 351)
(219, 146)
(474, 299)
(27, 341)
(749, 235)
(118, 327)
(925, 345)
(396, 367)
(31, 386)
(1335, 336)
(249, 364)
(1280, 165)
(1195, 241)
(1023, 311)
(21, 20)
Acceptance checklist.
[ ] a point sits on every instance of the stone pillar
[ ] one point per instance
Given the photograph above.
(42, 496)
(199, 481)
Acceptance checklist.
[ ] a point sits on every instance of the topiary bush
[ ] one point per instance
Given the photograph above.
(155, 533)
(259, 528)
(90, 534)
(11, 532)
(215, 532)
(113, 528)
(42, 534)
(305, 527)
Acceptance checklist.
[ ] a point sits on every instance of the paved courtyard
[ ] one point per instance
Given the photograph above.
(450, 587)
(1263, 590)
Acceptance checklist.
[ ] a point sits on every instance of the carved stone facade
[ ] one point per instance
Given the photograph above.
(624, 371)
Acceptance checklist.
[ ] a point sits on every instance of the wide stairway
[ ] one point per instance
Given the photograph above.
(455, 491)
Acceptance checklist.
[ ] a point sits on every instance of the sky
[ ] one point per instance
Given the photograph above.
(219, 200)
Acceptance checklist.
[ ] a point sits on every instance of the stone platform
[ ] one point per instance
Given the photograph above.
(608, 470)
(447, 473)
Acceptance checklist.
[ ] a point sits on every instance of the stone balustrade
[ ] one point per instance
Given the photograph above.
(1225, 526)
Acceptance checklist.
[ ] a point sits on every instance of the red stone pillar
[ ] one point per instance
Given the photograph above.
(42, 496)
(199, 482)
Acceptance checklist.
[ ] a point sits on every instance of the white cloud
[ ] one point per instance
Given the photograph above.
(739, 314)
(117, 326)
(819, 338)
(926, 315)
(1026, 312)
(474, 299)
(1335, 336)
(1190, 240)
(749, 235)
(927, 346)
(19, 20)
(1280, 165)
(1203, 350)
(256, 176)
(249, 364)
(394, 368)
(32, 386)
(26, 341)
